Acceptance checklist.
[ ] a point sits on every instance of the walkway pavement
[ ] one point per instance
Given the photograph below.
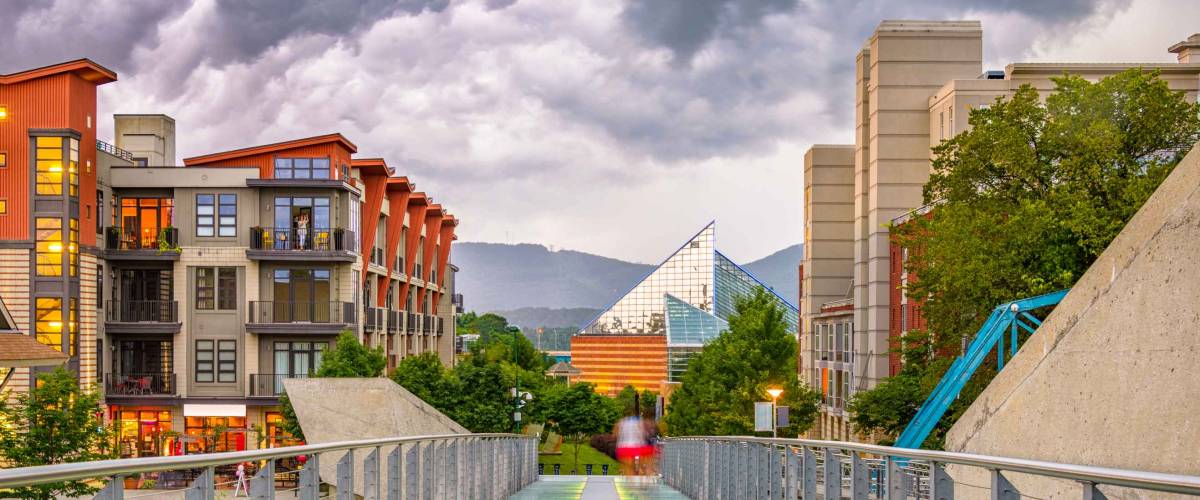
(598, 488)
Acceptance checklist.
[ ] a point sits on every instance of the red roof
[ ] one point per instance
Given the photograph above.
(85, 68)
(268, 148)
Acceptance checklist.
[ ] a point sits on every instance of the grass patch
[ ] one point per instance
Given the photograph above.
(587, 455)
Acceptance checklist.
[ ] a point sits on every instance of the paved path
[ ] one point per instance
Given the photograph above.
(598, 488)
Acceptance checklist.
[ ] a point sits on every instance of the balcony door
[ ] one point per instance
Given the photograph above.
(302, 295)
(296, 360)
(302, 223)
(145, 295)
(142, 219)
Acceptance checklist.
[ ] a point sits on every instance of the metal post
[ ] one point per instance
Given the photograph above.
(310, 479)
(1001, 488)
(895, 481)
(833, 475)
(793, 472)
(810, 474)
(345, 476)
(371, 475)
(860, 487)
(412, 471)
(262, 485)
(114, 490)
(1091, 491)
(941, 487)
(395, 489)
(427, 478)
(201, 489)
(452, 478)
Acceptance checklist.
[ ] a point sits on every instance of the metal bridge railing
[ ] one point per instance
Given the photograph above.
(749, 467)
(491, 466)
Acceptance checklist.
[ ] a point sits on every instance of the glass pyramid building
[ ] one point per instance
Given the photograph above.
(688, 299)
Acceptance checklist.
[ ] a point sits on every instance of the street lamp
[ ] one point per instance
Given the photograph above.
(774, 392)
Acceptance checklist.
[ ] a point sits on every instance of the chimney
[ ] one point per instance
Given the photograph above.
(1188, 51)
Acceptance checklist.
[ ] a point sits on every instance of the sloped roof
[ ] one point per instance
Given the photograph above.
(268, 148)
(20, 350)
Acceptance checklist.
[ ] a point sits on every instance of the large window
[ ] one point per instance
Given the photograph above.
(73, 166)
(216, 215)
(216, 361)
(216, 288)
(49, 246)
(296, 359)
(302, 295)
(142, 219)
(144, 433)
(204, 436)
(49, 166)
(48, 323)
(73, 247)
(302, 168)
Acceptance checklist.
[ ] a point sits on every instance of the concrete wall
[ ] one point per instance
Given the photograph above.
(1110, 378)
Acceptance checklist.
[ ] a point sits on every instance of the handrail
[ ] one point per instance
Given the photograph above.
(1154, 481)
(113, 150)
(41, 474)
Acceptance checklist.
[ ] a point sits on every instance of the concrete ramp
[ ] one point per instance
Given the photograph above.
(1112, 378)
(348, 409)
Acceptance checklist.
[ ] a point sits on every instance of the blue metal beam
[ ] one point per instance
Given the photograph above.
(1004, 318)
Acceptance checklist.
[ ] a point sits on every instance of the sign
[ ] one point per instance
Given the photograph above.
(762, 417)
(781, 416)
(516, 416)
(202, 410)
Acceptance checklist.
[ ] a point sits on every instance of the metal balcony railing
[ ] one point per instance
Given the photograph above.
(373, 318)
(270, 384)
(262, 311)
(141, 311)
(414, 321)
(113, 150)
(289, 239)
(395, 320)
(134, 238)
(139, 384)
(716, 467)
(488, 466)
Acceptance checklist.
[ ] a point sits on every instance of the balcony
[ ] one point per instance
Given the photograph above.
(141, 316)
(291, 244)
(269, 385)
(314, 317)
(131, 243)
(374, 319)
(395, 320)
(122, 385)
(413, 324)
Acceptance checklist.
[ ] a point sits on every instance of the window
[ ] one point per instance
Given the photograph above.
(3, 206)
(3, 159)
(48, 322)
(49, 165)
(99, 212)
(355, 217)
(49, 246)
(73, 247)
(227, 212)
(226, 288)
(73, 166)
(216, 361)
(302, 168)
(216, 215)
(144, 219)
(216, 288)
(100, 287)
(205, 210)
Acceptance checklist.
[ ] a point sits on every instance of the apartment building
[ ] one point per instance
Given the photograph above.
(915, 85)
(189, 293)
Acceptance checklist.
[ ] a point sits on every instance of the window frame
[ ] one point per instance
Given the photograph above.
(220, 282)
(3, 158)
(291, 169)
(211, 225)
(220, 216)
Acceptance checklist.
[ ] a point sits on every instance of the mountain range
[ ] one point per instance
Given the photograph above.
(534, 286)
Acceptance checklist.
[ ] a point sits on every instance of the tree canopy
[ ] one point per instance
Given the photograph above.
(1024, 202)
(723, 381)
(55, 422)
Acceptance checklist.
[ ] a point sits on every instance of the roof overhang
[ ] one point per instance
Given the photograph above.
(376, 166)
(18, 350)
(399, 184)
(83, 68)
(269, 148)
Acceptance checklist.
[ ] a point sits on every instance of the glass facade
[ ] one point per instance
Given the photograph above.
(688, 298)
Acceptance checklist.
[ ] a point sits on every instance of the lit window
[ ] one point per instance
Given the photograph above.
(73, 247)
(3, 206)
(3, 159)
(73, 167)
(3, 112)
(48, 324)
(49, 246)
(49, 165)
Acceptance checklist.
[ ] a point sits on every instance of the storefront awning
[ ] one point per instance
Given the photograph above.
(201, 410)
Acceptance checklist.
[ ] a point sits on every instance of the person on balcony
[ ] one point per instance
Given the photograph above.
(302, 231)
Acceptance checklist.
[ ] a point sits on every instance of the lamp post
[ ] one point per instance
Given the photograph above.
(774, 392)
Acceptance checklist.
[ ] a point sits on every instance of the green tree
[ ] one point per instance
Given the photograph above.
(649, 399)
(55, 423)
(348, 358)
(1026, 200)
(722, 382)
(626, 398)
(579, 412)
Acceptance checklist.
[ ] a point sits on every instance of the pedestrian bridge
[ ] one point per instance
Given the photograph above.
(497, 466)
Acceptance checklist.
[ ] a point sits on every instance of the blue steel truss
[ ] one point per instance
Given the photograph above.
(1004, 318)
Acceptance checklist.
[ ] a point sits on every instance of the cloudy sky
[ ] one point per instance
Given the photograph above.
(611, 127)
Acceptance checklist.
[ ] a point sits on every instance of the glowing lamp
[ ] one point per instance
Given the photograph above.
(56, 247)
(57, 167)
(57, 325)
(774, 393)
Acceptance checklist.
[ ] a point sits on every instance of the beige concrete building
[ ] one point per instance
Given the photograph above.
(916, 83)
